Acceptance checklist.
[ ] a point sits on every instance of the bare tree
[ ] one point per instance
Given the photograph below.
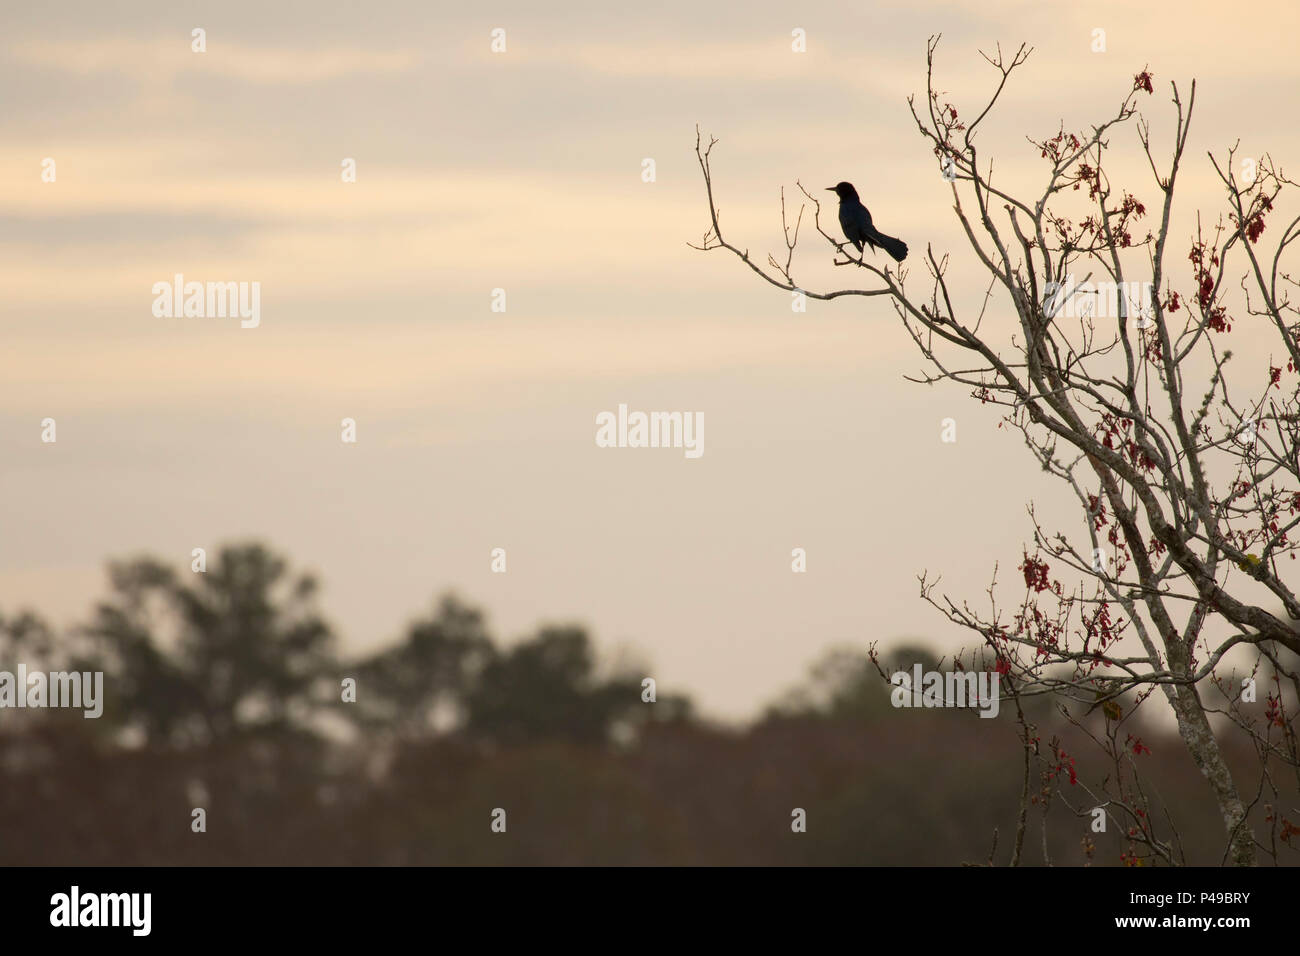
(1186, 479)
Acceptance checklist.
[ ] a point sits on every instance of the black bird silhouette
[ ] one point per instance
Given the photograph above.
(855, 220)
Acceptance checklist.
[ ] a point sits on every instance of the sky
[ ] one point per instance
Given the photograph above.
(522, 171)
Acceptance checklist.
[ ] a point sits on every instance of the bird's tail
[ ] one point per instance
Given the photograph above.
(895, 247)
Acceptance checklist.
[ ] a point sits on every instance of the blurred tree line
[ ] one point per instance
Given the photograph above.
(223, 690)
(193, 659)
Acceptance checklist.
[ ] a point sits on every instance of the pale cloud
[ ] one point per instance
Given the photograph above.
(292, 371)
(165, 58)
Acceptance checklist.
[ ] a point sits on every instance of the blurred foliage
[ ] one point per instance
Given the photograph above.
(199, 657)
(223, 690)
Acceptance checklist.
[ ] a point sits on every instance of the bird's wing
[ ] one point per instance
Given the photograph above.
(862, 229)
(846, 220)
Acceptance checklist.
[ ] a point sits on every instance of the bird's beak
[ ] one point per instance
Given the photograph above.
(830, 189)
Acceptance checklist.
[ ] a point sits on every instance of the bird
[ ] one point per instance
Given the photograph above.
(855, 220)
(1104, 697)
